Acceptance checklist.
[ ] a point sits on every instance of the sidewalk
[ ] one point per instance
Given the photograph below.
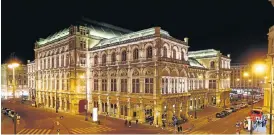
(204, 113)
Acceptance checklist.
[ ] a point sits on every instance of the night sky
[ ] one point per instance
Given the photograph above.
(238, 27)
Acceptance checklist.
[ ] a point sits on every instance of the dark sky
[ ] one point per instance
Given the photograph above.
(238, 27)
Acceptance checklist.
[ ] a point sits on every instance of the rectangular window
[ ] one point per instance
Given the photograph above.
(135, 86)
(149, 85)
(57, 84)
(123, 85)
(201, 84)
(163, 85)
(104, 84)
(113, 85)
(212, 84)
(95, 84)
(63, 84)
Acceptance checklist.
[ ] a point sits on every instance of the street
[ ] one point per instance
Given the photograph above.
(43, 121)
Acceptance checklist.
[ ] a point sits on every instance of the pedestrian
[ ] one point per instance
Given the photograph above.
(178, 128)
(126, 123)
(181, 128)
(91, 115)
(129, 123)
(136, 121)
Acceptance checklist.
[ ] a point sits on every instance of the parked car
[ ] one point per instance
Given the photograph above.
(11, 113)
(244, 105)
(233, 109)
(220, 115)
(228, 110)
(7, 111)
(226, 113)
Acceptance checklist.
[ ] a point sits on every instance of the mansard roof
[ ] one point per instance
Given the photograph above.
(203, 53)
(194, 63)
(98, 29)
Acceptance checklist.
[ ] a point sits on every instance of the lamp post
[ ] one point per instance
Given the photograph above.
(271, 100)
(13, 66)
(86, 106)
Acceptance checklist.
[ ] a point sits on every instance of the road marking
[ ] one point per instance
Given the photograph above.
(30, 131)
(76, 130)
(34, 132)
(48, 131)
(22, 130)
(40, 130)
(44, 131)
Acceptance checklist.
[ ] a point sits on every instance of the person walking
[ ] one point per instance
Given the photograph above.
(181, 128)
(91, 115)
(125, 122)
(136, 121)
(129, 123)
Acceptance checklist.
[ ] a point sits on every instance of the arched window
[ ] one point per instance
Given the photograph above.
(124, 55)
(135, 54)
(96, 60)
(212, 64)
(182, 56)
(174, 54)
(104, 59)
(113, 57)
(149, 52)
(165, 52)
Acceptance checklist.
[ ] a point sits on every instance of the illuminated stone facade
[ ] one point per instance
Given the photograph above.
(217, 75)
(31, 79)
(127, 74)
(60, 60)
(267, 89)
(20, 83)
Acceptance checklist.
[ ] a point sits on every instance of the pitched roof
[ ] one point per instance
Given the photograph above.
(194, 63)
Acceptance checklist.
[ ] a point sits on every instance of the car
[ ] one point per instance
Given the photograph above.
(244, 105)
(7, 111)
(11, 113)
(228, 110)
(234, 109)
(225, 113)
(220, 115)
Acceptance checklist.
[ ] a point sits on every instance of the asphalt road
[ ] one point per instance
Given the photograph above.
(43, 121)
(224, 125)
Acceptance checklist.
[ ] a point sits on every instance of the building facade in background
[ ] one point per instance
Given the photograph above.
(133, 75)
(243, 85)
(31, 79)
(21, 88)
(267, 89)
(217, 75)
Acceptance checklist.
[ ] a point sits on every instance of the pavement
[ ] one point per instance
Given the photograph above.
(46, 121)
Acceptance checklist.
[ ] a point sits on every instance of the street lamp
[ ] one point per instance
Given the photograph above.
(13, 66)
(86, 106)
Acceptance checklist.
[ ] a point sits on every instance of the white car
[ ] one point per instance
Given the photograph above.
(228, 110)
(11, 113)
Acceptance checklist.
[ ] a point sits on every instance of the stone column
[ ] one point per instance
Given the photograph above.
(169, 112)
(129, 117)
(66, 105)
(99, 105)
(51, 101)
(60, 103)
(118, 109)
(108, 106)
(158, 115)
(141, 112)
(177, 110)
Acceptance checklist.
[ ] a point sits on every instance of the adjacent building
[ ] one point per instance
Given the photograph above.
(31, 79)
(125, 74)
(21, 88)
(267, 89)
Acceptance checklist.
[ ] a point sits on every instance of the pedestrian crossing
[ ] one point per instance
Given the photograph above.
(95, 129)
(34, 131)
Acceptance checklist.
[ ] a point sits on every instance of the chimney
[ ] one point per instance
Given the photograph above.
(186, 39)
(28, 61)
(157, 31)
(228, 55)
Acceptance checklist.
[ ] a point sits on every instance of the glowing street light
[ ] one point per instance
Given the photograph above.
(246, 74)
(259, 68)
(13, 66)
